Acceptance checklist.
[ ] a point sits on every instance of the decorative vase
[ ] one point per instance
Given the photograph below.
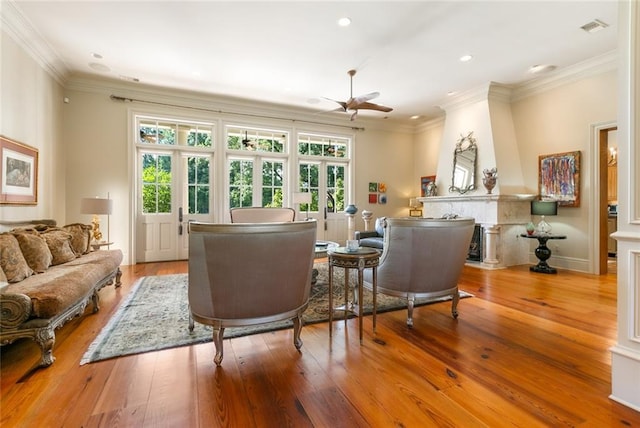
(489, 179)
(351, 209)
(530, 228)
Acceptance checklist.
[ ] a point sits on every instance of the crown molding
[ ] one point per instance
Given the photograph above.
(23, 33)
(566, 75)
(225, 105)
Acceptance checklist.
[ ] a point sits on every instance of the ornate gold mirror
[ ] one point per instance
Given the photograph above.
(464, 165)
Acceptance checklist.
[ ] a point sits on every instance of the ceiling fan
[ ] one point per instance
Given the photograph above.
(359, 103)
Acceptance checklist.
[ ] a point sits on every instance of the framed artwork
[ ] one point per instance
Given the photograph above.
(373, 187)
(18, 173)
(382, 187)
(382, 198)
(424, 182)
(373, 198)
(559, 178)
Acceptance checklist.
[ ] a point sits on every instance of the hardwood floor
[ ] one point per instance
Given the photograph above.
(528, 350)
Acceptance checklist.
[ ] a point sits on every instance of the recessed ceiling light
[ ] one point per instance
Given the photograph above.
(594, 26)
(541, 68)
(451, 93)
(99, 67)
(466, 58)
(415, 116)
(344, 22)
(96, 55)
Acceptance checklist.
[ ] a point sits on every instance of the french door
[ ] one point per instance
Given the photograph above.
(327, 183)
(174, 188)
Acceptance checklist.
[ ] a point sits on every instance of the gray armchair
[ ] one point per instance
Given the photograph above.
(422, 258)
(373, 238)
(245, 274)
(262, 214)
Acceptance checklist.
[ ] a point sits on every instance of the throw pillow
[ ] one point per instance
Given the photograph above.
(59, 243)
(35, 251)
(80, 237)
(381, 223)
(12, 261)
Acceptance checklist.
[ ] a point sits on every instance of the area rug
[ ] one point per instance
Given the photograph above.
(155, 315)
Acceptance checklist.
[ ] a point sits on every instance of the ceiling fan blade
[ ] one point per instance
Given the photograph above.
(367, 97)
(342, 103)
(372, 106)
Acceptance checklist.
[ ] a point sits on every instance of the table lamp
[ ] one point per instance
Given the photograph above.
(414, 207)
(544, 208)
(96, 207)
(302, 198)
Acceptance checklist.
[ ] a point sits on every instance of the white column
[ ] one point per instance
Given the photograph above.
(625, 354)
(350, 226)
(491, 239)
(366, 216)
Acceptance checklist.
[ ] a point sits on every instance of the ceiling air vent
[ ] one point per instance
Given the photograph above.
(594, 26)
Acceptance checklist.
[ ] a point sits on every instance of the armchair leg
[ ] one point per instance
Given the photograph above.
(454, 304)
(410, 302)
(218, 334)
(297, 328)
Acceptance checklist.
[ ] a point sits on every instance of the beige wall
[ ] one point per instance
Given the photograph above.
(560, 120)
(31, 113)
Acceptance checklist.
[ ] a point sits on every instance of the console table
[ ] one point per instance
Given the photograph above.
(360, 259)
(543, 252)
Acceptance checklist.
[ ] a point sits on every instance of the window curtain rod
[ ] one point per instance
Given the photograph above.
(125, 99)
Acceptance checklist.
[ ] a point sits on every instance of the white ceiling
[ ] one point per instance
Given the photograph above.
(294, 53)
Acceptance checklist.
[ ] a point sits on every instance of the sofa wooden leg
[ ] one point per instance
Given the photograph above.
(46, 338)
(118, 276)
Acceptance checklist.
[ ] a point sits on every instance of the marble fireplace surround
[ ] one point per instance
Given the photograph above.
(502, 217)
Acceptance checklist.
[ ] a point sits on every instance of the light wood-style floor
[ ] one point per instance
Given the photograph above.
(529, 350)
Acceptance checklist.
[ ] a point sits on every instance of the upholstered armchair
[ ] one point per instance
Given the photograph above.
(262, 214)
(422, 258)
(245, 274)
(372, 238)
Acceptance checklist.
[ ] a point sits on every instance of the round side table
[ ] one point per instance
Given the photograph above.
(362, 258)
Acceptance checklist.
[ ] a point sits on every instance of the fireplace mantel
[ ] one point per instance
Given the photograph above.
(502, 217)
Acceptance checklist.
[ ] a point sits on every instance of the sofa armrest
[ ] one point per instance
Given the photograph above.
(14, 309)
(366, 234)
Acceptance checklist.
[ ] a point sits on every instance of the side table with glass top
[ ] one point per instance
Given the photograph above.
(362, 258)
(543, 252)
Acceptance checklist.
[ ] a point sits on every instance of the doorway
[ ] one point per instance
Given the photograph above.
(607, 189)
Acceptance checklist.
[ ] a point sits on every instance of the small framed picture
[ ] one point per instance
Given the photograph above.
(373, 198)
(373, 187)
(18, 173)
(382, 198)
(424, 184)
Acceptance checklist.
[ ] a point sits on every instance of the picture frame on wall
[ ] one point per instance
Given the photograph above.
(373, 187)
(424, 183)
(559, 178)
(18, 173)
(373, 198)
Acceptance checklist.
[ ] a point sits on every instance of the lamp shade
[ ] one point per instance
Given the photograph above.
(544, 207)
(302, 198)
(98, 206)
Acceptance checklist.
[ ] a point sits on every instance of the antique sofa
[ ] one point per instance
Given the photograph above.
(422, 258)
(48, 275)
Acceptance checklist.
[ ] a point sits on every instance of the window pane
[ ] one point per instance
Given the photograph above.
(198, 184)
(156, 183)
(240, 183)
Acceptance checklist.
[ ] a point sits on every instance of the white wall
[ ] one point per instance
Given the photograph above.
(31, 113)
